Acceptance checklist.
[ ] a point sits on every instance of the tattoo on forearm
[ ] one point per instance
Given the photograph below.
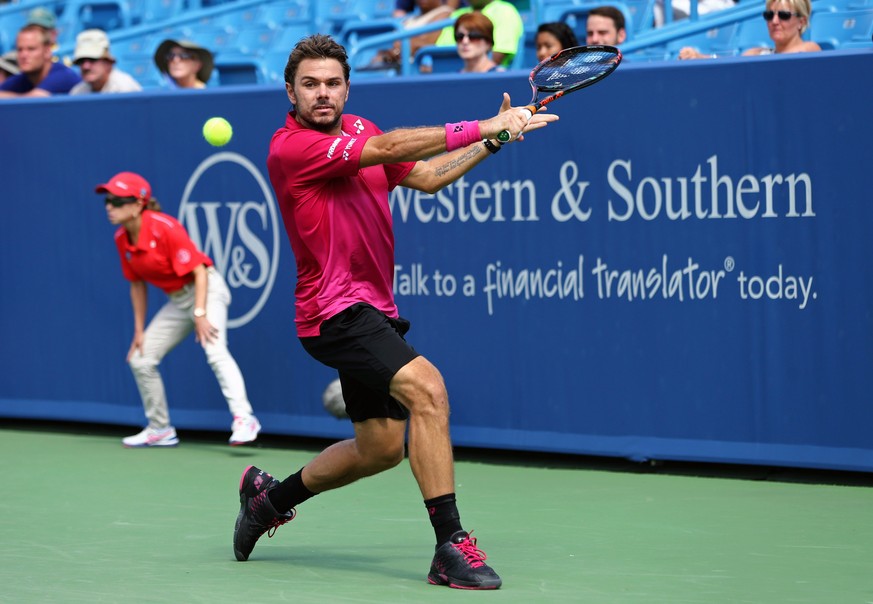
(472, 152)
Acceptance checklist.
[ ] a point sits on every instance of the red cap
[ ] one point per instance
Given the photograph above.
(127, 184)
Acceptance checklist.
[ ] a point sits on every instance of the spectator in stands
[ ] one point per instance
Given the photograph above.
(8, 65)
(429, 11)
(553, 37)
(185, 63)
(98, 66)
(786, 22)
(39, 76)
(474, 36)
(404, 8)
(508, 28)
(47, 20)
(605, 25)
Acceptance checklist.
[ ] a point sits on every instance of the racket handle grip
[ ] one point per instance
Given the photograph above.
(505, 136)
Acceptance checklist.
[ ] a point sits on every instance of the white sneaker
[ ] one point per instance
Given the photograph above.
(245, 430)
(152, 437)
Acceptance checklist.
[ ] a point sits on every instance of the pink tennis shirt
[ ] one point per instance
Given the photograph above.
(337, 218)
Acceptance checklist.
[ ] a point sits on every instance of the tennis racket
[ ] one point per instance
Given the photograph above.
(567, 71)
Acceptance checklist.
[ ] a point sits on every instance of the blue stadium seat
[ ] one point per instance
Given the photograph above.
(375, 9)
(104, 15)
(290, 35)
(142, 68)
(650, 53)
(273, 65)
(213, 37)
(239, 19)
(10, 22)
(278, 14)
(255, 39)
(752, 34)
(527, 54)
(718, 40)
(235, 69)
(441, 59)
(353, 32)
(145, 44)
(833, 30)
(332, 15)
(642, 13)
(152, 11)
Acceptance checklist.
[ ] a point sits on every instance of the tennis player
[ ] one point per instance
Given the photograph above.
(332, 173)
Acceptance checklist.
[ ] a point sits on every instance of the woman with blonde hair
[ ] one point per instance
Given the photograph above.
(787, 20)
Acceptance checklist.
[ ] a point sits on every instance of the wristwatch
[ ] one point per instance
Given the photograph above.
(199, 312)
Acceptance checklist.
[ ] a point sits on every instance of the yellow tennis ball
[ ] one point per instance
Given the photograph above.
(217, 131)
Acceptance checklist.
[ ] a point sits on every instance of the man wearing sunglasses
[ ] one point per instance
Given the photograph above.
(787, 20)
(97, 65)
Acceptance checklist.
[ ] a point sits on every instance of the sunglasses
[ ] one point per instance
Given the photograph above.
(117, 202)
(184, 56)
(784, 15)
(473, 36)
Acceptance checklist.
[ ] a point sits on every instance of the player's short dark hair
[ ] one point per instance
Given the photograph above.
(316, 46)
(562, 32)
(610, 12)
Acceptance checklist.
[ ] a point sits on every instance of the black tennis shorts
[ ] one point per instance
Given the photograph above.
(367, 348)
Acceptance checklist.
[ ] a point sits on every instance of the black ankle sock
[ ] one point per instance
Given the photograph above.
(444, 517)
(290, 493)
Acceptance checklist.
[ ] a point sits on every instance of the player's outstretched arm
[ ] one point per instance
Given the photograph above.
(414, 144)
(432, 175)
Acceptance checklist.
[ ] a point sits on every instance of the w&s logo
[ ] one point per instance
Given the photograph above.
(229, 211)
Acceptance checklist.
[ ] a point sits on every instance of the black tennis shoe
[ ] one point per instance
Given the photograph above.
(256, 514)
(459, 563)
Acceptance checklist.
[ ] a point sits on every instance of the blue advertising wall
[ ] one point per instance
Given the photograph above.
(678, 269)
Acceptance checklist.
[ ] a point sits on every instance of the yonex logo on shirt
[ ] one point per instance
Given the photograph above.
(348, 148)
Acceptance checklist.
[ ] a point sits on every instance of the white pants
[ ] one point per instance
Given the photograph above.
(172, 324)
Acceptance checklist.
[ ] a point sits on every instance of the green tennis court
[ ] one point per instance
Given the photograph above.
(85, 520)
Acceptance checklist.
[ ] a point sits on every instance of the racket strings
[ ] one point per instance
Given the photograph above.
(571, 69)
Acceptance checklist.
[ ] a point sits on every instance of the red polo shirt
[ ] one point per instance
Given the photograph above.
(164, 255)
